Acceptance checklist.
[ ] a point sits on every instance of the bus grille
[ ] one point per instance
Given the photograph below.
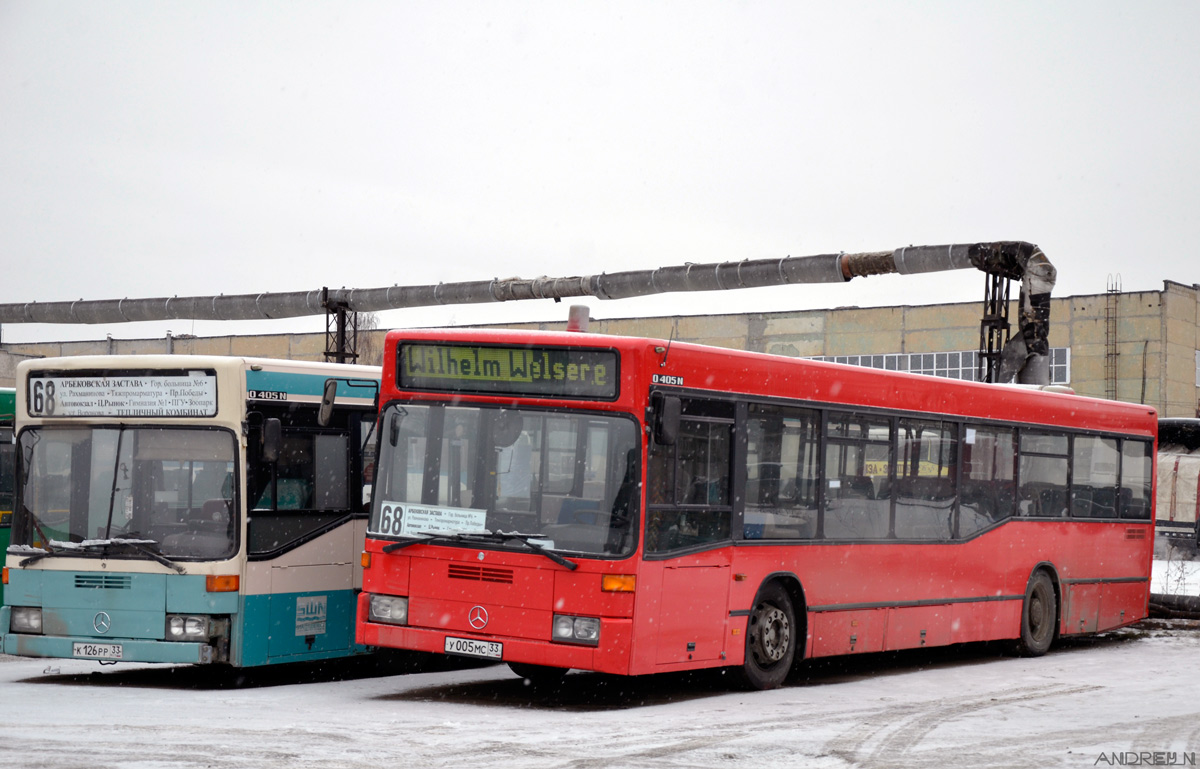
(103, 581)
(480, 573)
(1135, 533)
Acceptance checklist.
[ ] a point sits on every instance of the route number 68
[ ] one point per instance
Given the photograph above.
(41, 398)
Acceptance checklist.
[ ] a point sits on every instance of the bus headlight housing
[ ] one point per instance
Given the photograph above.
(576, 630)
(187, 627)
(389, 609)
(26, 619)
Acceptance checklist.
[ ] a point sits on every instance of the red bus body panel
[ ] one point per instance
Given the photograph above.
(690, 611)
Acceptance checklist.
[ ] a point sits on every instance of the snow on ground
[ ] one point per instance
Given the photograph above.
(972, 706)
(1123, 694)
(1175, 574)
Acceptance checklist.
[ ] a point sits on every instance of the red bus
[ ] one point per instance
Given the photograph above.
(559, 500)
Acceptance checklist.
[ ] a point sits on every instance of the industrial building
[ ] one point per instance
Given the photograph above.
(1140, 347)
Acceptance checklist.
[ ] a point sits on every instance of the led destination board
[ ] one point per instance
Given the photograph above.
(555, 372)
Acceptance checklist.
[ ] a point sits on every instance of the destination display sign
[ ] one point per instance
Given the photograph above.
(555, 372)
(109, 394)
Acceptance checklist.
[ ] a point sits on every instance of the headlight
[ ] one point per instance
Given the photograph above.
(26, 620)
(577, 630)
(187, 627)
(388, 608)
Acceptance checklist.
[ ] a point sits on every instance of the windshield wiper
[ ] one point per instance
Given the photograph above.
(70, 548)
(423, 537)
(527, 540)
(37, 556)
(143, 546)
(485, 536)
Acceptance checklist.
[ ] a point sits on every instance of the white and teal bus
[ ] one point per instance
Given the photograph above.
(188, 509)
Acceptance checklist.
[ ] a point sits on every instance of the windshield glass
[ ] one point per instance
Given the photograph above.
(572, 478)
(171, 489)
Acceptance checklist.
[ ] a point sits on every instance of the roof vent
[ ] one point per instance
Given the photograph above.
(577, 319)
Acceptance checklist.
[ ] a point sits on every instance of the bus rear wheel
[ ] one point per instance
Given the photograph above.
(1039, 614)
(770, 639)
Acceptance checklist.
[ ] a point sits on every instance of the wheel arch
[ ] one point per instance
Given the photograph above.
(795, 592)
(1052, 572)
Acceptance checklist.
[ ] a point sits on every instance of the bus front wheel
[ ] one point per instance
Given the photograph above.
(1039, 613)
(770, 639)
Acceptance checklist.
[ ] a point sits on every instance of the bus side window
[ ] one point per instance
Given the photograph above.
(1043, 474)
(1094, 465)
(7, 479)
(926, 477)
(858, 473)
(782, 465)
(988, 491)
(1137, 466)
(695, 509)
(367, 443)
(308, 490)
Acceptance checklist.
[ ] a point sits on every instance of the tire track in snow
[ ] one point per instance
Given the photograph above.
(888, 735)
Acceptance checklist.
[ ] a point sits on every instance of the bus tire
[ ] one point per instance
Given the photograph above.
(539, 676)
(770, 639)
(1039, 615)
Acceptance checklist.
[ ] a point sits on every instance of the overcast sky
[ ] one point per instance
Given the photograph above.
(193, 148)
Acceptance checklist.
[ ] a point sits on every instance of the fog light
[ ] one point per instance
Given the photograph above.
(579, 630)
(187, 627)
(389, 609)
(26, 620)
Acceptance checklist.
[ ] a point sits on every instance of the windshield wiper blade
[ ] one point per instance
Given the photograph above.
(422, 537)
(34, 558)
(527, 540)
(68, 548)
(143, 547)
(484, 536)
(441, 536)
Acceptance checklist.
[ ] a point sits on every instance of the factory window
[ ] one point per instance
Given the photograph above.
(960, 364)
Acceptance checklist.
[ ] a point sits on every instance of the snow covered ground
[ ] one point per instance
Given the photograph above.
(1176, 574)
(1128, 695)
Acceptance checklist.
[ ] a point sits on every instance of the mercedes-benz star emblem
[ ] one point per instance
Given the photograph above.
(102, 622)
(478, 617)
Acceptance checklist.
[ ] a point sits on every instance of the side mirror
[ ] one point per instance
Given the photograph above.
(508, 428)
(394, 428)
(272, 439)
(667, 411)
(325, 414)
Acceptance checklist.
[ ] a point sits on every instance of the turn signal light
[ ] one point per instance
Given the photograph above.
(365, 560)
(221, 583)
(618, 583)
(4, 576)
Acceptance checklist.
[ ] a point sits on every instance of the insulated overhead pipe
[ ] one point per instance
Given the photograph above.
(1025, 358)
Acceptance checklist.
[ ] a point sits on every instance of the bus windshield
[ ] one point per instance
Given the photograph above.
(571, 478)
(170, 489)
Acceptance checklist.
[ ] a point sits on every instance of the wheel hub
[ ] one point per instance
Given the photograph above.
(774, 634)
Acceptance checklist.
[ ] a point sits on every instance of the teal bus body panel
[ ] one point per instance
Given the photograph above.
(184, 596)
(24, 589)
(301, 384)
(133, 651)
(70, 603)
(266, 629)
(272, 627)
(137, 606)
